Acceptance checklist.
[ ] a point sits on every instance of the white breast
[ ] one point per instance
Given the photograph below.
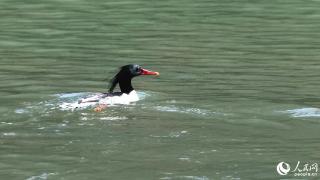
(123, 99)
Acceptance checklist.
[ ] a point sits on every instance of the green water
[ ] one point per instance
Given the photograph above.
(230, 71)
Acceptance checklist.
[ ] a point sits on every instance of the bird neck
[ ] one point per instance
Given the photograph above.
(125, 85)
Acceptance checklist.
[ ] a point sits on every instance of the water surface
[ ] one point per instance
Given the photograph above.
(238, 91)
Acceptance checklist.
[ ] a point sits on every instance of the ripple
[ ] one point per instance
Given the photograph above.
(184, 159)
(171, 135)
(304, 112)
(72, 95)
(9, 134)
(6, 123)
(21, 111)
(185, 110)
(42, 176)
(113, 118)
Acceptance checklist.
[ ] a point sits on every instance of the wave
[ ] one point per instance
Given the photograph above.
(186, 110)
(304, 112)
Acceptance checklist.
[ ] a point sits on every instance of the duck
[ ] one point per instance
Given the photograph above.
(127, 93)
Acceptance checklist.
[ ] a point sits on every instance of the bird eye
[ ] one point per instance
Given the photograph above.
(138, 69)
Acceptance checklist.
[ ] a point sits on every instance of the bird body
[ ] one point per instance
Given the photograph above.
(127, 93)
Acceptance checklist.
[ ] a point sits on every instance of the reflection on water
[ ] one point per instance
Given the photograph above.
(227, 69)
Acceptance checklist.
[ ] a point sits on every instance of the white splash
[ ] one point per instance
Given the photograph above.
(304, 112)
(97, 99)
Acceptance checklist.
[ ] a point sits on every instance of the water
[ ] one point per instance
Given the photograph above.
(238, 91)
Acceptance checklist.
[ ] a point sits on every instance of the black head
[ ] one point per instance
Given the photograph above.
(133, 70)
(130, 70)
(125, 75)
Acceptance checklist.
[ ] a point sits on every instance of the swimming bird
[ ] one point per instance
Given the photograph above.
(127, 93)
